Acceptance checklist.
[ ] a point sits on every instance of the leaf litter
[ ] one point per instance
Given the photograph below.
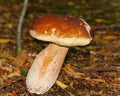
(102, 53)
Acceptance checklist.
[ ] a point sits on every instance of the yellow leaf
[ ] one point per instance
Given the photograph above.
(62, 85)
(16, 73)
(70, 3)
(9, 25)
(99, 80)
(110, 37)
(95, 80)
(87, 78)
(71, 72)
(4, 41)
(99, 20)
(71, 94)
(117, 79)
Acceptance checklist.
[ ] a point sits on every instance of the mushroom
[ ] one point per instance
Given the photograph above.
(63, 32)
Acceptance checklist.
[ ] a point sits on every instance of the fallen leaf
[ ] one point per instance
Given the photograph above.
(117, 79)
(99, 80)
(13, 93)
(71, 3)
(6, 55)
(110, 37)
(87, 78)
(62, 85)
(3, 73)
(2, 41)
(6, 67)
(99, 20)
(71, 84)
(9, 25)
(15, 73)
(20, 59)
(95, 80)
(71, 94)
(97, 37)
(71, 72)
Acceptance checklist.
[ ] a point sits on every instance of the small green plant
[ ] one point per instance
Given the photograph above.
(23, 73)
(37, 45)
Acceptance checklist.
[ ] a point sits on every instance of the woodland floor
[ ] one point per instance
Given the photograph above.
(93, 70)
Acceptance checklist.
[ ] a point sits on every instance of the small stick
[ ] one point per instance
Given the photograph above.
(19, 28)
(102, 69)
(10, 82)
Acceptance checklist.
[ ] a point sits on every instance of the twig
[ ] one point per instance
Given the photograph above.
(102, 69)
(10, 82)
(19, 28)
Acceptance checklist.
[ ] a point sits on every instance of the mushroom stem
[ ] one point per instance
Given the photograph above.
(45, 69)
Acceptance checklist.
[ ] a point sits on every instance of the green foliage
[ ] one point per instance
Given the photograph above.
(37, 45)
(23, 73)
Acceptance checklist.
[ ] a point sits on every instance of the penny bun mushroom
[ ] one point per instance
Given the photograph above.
(62, 32)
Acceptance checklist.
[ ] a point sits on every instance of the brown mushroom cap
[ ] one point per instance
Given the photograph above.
(62, 30)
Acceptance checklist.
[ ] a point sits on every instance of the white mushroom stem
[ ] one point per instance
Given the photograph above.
(45, 69)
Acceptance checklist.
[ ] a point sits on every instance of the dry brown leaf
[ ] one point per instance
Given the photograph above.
(97, 37)
(110, 37)
(71, 84)
(99, 80)
(117, 79)
(71, 72)
(6, 55)
(87, 78)
(95, 80)
(13, 93)
(20, 60)
(71, 94)
(5, 66)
